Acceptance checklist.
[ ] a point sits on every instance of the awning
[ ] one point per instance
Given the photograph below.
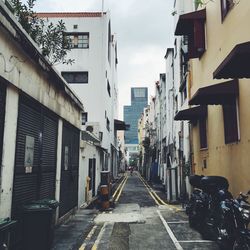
(87, 136)
(191, 114)
(221, 93)
(121, 125)
(186, 22)
(236, 64)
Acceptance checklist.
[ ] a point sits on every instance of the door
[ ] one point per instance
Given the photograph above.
(69, 168)
(35, 159)
(2, 117)
(92, 175)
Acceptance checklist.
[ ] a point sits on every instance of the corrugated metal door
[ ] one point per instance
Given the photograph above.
(2, 117)
(35, 162)
(48, 157)
(70, 166)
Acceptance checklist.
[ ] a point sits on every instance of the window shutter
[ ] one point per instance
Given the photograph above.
(203, 133)
(230, 123)
(196, 39)
(199, 37)
(192, 53)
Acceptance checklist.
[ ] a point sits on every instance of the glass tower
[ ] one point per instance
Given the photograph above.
(132, 113)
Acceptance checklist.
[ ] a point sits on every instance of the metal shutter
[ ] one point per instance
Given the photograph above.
(48, 159)
(69, 173)
(37, 122)
(2, 116)
(25, 184)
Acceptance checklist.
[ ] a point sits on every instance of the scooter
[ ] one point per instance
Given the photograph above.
(233, 231)
(204, 204)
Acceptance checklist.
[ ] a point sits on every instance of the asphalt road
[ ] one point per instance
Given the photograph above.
(138, 222)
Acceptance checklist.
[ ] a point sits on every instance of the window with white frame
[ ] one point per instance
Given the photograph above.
(78, 40)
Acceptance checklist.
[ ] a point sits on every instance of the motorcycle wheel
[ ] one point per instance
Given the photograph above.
(241, 246)
(193, 221)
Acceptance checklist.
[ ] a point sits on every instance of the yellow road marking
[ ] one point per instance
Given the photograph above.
(149, 191)
(94, 247)
(157, 197)
(120, 191)
(90, 234)
(99, 237)
(118, 188)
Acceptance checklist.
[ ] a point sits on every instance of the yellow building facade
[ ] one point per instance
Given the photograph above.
(219, 67)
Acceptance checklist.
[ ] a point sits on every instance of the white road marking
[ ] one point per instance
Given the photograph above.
(171, 234)
(195, 241)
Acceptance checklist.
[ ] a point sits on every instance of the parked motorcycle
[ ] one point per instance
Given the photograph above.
(233, 231)
(204, 204)
(198, 203)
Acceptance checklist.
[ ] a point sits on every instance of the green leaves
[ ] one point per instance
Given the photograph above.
(198, 3)
(49, 37)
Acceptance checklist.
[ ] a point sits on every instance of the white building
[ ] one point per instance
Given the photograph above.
(178, 75)
(93, 76)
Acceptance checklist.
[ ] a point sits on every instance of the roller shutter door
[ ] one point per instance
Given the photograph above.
(70, 167)
(2, 117)
(36, 146)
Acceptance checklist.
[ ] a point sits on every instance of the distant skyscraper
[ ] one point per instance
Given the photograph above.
(139, 100)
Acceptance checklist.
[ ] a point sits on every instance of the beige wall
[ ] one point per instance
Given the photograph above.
(229, 160)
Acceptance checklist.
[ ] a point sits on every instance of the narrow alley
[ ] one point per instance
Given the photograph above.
(138, 221)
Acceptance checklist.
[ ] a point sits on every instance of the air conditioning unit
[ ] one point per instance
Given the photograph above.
(94, 128)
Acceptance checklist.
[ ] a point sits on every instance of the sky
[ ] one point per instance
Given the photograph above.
(144, 31)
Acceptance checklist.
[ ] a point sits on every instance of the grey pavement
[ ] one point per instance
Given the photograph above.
(72, 233)
(136, 223)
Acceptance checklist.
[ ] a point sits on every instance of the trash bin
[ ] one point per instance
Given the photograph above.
(37, 227)
(53, 204)
(7, 233)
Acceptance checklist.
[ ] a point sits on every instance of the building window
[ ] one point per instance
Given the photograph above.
(78, 40)
(76, 77)
(203, 133)
(226, 5)
(109, 42)
(107, 124)
(175, 48)
(84, 118)
(231, 130)
(183, 92)
(196, 40)
(108, 88)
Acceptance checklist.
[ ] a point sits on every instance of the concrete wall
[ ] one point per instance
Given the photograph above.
(23, 74)
(88, 151)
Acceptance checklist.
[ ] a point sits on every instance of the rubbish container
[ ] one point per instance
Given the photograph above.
(53, 204)
(7, 233)
(37, 227)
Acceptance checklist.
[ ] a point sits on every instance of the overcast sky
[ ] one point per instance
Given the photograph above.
(144, 32)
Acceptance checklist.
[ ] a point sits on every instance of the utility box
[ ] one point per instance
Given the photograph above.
(105, 189)
(105, 177)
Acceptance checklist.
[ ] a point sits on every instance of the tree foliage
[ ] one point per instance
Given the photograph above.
(49, 37)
